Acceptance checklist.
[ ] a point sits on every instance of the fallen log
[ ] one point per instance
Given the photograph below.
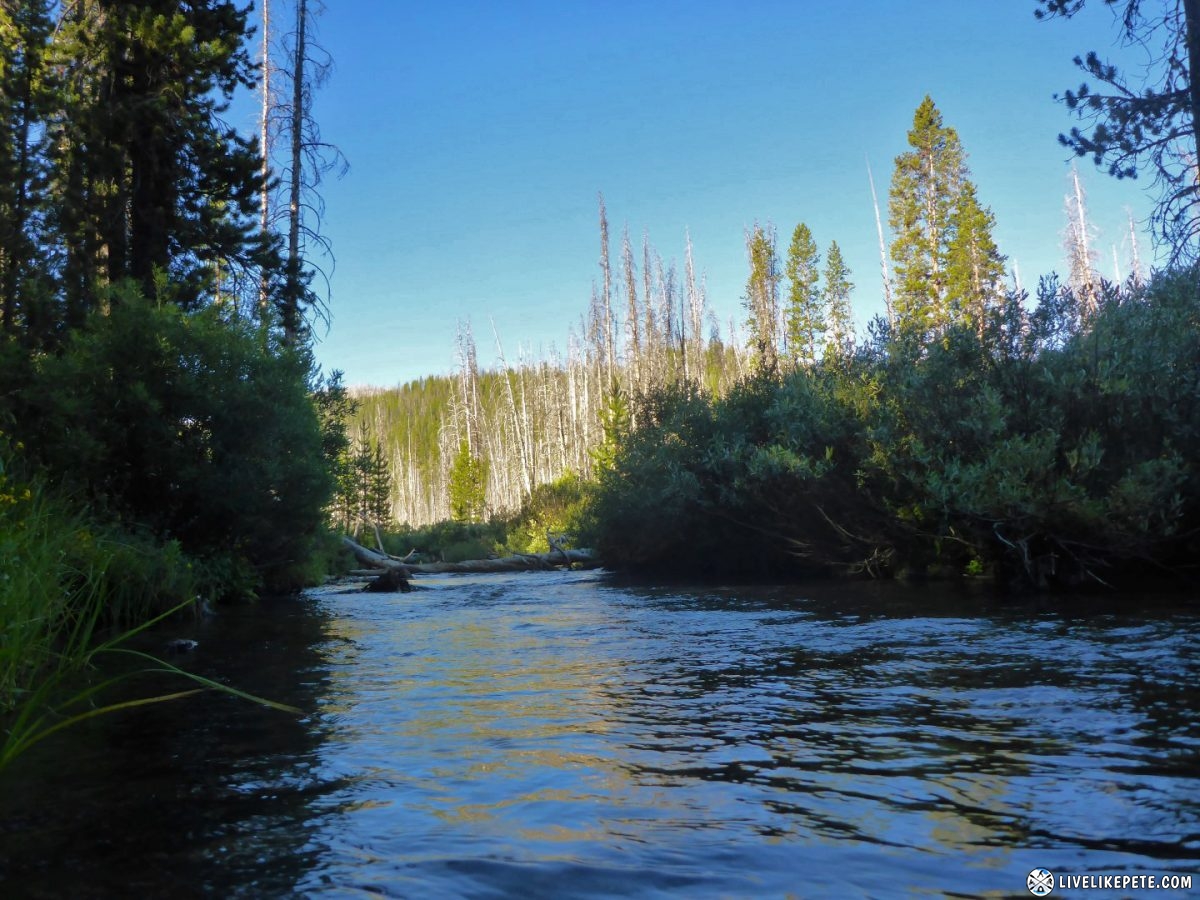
(390, 575)
(525, 562)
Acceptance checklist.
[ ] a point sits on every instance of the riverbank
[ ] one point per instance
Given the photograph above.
(1053, 448)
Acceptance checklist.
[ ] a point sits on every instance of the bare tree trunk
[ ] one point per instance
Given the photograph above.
(264, 218)
(695, 295)
(1079, 250)
(606, 271)
(1135, 260)
(291, 313)
(633, 316)
(1191, 16)
(518, 433)
(887, 281)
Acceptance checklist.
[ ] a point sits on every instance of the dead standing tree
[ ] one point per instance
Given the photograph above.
(294, 150)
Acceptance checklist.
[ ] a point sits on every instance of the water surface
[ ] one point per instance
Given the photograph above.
(549, 735)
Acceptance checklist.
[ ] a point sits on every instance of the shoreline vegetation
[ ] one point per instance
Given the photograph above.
(168, 441)
(1048, 449)
(1043, 443)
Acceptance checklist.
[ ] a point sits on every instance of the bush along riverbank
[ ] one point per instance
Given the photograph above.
(1052, 448)
(158, 458)
(167, 435)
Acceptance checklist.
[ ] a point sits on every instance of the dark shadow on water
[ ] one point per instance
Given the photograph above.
(201, 797)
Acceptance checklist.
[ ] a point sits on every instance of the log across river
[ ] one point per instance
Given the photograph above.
(565, 735)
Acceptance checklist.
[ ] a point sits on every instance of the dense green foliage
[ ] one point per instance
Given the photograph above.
(468, 486)
(127, 367)
(63, 576)
(363, 487)
(805, 314)
(559, 508)
(1036, 448)
(181, 423)
(947, 266)
(835, 297)
(169, 444)
(762, 297)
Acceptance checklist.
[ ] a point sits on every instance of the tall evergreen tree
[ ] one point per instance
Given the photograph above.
(24, 93)
(947, 266)
(153, 185)
(468, 485)
(974, 267)
(805, 312)
(925, 187)
(762, 296)
(839, 342)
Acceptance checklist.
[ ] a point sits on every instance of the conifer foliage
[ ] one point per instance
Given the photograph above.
(762, 296)
(1146, 119)
(835, 297)
(805, 308)
(946, 264)
(129, 241)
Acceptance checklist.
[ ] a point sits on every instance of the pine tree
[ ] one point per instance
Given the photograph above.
(925, 188)
(151, 184)
(468, 485)
(25, 82)
(839, 343)
(805, 314)
(974, 267)
(762, 297)
(947, 266)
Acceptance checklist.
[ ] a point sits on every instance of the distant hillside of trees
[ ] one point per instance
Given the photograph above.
(649, 330)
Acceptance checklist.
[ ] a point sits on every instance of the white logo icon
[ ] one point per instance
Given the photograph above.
(1040, 882)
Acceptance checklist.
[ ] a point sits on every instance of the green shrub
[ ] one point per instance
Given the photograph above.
(557, 508)
(1043, 447)
(441, 540)
(186, 427)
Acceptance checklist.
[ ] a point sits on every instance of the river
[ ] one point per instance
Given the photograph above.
(566, 735)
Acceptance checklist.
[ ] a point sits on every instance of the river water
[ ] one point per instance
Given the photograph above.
(564, 735)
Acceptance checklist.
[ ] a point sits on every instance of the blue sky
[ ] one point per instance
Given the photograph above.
(479, 134)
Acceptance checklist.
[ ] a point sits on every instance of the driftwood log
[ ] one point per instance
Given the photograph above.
(378, 563)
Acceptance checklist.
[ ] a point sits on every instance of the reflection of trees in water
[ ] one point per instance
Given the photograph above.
(208, 796)
(492, 717)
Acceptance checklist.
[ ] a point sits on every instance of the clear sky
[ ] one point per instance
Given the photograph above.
(479, 134)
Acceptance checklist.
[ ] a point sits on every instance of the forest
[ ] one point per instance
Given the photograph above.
(974, 430)
(167, 441)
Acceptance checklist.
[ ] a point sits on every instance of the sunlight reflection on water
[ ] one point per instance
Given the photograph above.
(561, 735)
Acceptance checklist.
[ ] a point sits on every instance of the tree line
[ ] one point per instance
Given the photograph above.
(159, 275)
(649, 328)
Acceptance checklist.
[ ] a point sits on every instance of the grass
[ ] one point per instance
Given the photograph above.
(69, 591)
